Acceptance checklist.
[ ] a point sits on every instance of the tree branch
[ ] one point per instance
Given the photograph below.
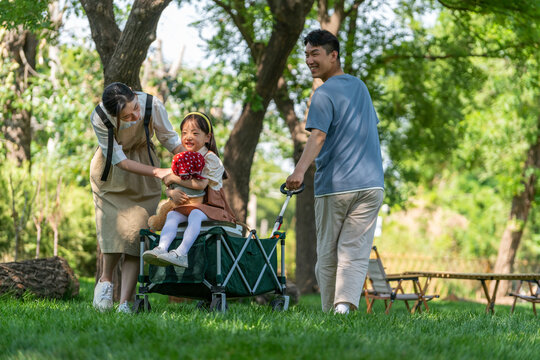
(354, 8)
(140, 29)
(242, 25)
(105, 31)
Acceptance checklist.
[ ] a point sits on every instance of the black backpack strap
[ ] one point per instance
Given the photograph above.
(110, 130)
(147, 114)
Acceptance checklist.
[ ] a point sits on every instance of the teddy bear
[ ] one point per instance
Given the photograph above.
(187, 165)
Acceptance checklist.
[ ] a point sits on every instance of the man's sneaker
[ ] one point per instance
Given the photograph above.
(124, 308)
(151, 256)
(103, 296)
(172, 258)
(341, 308)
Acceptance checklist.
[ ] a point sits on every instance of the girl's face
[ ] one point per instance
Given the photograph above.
(131, 112)
(193, 138)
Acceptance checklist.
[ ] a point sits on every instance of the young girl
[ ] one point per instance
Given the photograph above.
(197, 135)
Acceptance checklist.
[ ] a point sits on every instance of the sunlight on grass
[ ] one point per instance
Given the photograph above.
(74, 330)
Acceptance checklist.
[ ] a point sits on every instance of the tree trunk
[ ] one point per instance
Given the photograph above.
(521, 206)
(51, 278)
(20, 45)
(123, 52)
(289, 16)
(306, 238)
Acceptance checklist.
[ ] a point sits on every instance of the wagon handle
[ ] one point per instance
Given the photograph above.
(291, 192)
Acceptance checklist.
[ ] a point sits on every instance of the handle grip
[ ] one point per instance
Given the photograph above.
(291, 192)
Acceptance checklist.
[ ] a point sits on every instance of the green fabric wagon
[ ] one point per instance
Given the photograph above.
(223, 264)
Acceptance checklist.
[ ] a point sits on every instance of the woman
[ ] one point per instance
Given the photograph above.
(125, 184)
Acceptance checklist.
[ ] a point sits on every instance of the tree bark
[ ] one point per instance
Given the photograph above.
(50, 278)
(519, 213)
(306, 239)
(123, 52)
(289, 16)
(20, 45)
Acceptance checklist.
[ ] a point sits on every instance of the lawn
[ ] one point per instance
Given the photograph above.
(43, 329)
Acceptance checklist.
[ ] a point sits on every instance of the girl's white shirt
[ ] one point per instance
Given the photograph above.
(160, 121)
(213, 169)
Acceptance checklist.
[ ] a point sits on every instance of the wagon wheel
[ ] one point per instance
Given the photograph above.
(216, 305)
(278, 304)
(139, 305)
(203, 305)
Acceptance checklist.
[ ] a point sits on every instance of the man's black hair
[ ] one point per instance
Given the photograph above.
(323, 38)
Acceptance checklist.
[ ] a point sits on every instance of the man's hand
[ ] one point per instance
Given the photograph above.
(311, 150)
(295, 180)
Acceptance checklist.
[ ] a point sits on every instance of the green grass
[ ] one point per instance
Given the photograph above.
(45, 329)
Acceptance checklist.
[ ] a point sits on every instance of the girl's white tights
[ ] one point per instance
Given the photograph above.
(174, 218)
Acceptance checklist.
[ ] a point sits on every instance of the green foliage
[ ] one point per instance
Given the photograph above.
(16, 209)
(62, 146)
(32, 14)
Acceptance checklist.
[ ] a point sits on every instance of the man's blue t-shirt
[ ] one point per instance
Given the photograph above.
(350, 159)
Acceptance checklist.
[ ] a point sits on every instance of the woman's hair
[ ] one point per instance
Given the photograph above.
(323, 38)
(205, 124)
(115, 97)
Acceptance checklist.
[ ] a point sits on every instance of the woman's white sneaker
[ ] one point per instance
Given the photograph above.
(103, 296)
(124, 308)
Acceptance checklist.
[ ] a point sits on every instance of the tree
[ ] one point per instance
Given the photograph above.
(281, 24)
(18, 44)
(122, 52)
(521, 47)
(22, 25)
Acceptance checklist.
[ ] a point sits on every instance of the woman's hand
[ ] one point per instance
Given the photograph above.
(161, 173)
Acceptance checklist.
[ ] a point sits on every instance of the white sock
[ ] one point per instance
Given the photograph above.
(168, 233)
(342, 308)
(195, 218)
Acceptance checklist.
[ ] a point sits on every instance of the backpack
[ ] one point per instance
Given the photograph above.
(110, 130)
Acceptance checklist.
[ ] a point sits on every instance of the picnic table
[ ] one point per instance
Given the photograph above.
(482, 277)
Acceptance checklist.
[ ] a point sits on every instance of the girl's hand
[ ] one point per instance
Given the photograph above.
(161, 173)
(171, 179)
(177, 196)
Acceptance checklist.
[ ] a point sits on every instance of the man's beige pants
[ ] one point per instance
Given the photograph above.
(345, 228)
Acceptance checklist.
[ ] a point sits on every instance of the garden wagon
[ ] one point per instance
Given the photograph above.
(222, 264)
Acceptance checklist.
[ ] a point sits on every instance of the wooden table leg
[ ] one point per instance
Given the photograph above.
(422, 291)
(515, 297)
(490, 299)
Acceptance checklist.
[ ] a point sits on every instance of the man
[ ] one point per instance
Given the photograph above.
(349, 184)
